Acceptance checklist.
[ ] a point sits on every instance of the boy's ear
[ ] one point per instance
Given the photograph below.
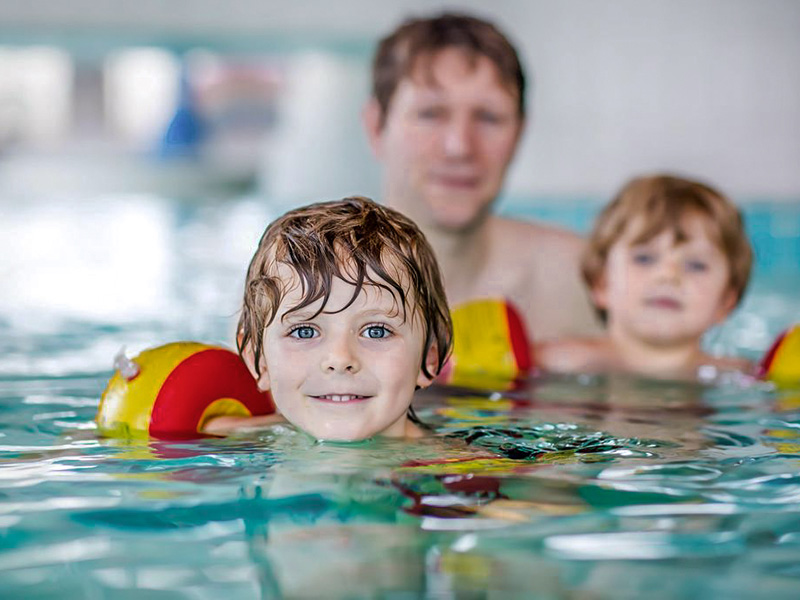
(431, 364)
(248, 354)
(371, 119)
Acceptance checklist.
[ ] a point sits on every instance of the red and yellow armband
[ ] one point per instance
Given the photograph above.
(491, 348)
(781, 363)
(171, 391)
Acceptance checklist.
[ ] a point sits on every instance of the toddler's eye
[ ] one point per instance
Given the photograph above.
(696, 266)
(303, 332)
(644, 258)
(377, 332)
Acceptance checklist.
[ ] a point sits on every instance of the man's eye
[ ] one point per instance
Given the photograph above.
(303, 332)
(644, 258)
(491, 117)
(377, 332)
(431, 112)
(696, 266)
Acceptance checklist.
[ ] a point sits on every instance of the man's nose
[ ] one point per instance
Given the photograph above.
(459, 139)
(340, 356)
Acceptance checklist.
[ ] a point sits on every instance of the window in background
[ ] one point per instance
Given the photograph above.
(35, 96)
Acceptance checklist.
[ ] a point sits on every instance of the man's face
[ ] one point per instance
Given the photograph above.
(449, 135)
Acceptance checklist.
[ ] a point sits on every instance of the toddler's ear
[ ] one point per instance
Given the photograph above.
(431, 365)
(726, 305)
(599, 293)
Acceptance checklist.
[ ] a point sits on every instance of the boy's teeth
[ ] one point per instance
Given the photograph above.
(342, 397)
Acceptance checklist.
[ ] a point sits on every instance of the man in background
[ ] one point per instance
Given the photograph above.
(445, 118)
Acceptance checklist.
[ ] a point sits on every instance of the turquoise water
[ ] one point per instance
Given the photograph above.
(584, 487)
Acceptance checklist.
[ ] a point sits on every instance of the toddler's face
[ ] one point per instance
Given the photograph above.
(350, 372)
(665, 293)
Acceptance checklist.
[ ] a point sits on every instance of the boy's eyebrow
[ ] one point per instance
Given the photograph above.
(394, 312)
(298, 315)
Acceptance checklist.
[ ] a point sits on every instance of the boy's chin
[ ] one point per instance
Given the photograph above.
(351, 432)
(339, 434)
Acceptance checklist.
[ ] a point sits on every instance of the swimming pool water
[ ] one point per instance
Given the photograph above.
(573, 487)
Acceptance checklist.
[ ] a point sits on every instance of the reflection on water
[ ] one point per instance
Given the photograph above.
(572, 487)
(565, 488)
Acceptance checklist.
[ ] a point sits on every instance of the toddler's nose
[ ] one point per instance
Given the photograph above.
(670, 270)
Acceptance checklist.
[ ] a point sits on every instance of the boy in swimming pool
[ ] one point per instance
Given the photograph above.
(667, 259)
(344, 316)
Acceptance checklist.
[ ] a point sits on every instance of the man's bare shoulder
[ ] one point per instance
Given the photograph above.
(536, 236)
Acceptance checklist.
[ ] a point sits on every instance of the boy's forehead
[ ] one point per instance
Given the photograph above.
(375, 291)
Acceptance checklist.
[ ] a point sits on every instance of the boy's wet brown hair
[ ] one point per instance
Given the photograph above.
(358, 241)
(659, 203)
(417, 40)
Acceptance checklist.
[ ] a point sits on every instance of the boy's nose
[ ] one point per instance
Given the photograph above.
(340, 358)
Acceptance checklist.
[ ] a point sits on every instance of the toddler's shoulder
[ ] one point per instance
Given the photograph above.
(573, 355)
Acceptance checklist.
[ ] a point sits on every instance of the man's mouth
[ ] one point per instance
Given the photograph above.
(456, 181)
(341, 398)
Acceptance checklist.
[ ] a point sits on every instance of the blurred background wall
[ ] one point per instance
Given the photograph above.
(190, 96)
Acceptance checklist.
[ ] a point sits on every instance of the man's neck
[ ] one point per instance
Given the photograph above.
(462, 254)
(462, 257)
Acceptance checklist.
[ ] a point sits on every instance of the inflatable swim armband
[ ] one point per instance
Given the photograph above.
(490, 346)
(171, 391)
(781, 363)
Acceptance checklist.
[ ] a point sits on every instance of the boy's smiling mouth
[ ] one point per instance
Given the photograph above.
(338, 398)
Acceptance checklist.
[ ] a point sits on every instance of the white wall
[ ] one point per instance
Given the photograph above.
(706, 87)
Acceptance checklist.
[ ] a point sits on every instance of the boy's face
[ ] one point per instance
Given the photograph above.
(664, 293)
(449, 135)
(348, 373)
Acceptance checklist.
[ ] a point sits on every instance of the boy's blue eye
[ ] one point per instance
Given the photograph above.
(376, 332)
(303, 332)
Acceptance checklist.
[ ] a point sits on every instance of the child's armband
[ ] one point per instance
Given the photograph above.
(491, 348)
(781, 363)
(171, 391)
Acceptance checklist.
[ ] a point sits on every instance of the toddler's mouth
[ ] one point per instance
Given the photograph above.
(664, 302)
(340, 398)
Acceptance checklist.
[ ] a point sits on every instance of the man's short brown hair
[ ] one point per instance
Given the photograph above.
(659, 203)
(357, 241)
(399, 53)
